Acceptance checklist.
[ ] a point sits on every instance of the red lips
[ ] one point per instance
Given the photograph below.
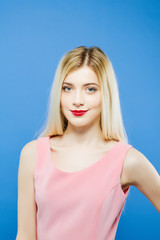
(78, 112)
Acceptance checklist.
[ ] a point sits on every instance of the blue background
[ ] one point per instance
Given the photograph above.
(33, 37)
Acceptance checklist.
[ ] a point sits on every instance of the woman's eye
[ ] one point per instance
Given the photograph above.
(64, 88)
(93, 89)
(90, 89)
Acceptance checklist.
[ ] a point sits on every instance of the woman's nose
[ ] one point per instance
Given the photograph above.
(78, 98)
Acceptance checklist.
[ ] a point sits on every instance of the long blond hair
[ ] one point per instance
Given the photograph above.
(111, 118)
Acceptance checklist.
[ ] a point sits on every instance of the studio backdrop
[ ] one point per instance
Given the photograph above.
(33, 37)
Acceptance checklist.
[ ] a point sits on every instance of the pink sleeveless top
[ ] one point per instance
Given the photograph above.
(82, 205)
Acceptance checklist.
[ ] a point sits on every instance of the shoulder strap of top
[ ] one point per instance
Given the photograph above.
(42, 153)
(116, 165)
(121, 157)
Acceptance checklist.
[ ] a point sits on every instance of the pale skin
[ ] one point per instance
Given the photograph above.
(83, 135)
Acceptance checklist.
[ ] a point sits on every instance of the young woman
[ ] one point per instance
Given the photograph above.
(74, 179)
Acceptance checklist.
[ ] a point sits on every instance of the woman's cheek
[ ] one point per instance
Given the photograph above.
(65, 102)
(94, 102)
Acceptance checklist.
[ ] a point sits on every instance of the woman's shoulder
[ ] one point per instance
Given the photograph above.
(28, 156)
(29, 147)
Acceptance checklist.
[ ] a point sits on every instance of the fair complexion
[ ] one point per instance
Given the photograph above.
(81, 91)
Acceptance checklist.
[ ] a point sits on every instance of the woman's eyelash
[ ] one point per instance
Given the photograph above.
(65, 88)
(94, 89)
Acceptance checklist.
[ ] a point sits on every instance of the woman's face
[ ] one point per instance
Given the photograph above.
(81, 91)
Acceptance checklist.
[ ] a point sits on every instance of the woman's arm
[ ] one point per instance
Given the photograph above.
(26, 201)
(141, 173)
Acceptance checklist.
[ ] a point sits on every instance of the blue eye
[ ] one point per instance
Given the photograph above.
(64, 88)
(94, 89)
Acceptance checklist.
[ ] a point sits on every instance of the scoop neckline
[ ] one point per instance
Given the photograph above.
(83, 169)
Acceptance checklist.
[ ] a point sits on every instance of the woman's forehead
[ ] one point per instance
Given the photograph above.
(83, 75)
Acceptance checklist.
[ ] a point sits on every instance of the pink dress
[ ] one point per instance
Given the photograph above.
(82, 205)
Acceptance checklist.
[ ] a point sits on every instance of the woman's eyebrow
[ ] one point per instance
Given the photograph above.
(83, 85)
